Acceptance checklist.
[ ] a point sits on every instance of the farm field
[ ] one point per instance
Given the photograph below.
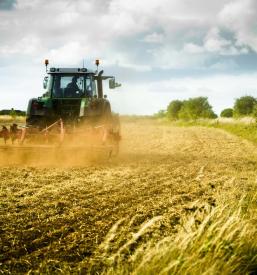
(108, 216)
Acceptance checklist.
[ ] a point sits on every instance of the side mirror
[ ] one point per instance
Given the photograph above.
(45, 82)
(113, 84)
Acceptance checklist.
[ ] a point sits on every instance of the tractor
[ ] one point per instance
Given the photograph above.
(73, 112)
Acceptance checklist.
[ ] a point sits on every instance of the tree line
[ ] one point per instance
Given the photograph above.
(199, 107)
(12, 112)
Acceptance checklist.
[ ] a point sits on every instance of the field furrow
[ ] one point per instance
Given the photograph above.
(55, 219)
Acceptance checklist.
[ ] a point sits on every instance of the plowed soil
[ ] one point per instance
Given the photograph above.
(56, 218)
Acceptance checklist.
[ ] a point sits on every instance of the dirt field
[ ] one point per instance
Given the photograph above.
(57, 219)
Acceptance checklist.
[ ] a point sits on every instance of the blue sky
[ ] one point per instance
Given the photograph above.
(160, 50)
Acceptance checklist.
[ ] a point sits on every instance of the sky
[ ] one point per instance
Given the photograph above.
(160, 50)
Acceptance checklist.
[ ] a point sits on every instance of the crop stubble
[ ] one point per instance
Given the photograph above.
(58, 218)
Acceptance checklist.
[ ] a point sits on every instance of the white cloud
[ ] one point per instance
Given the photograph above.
(239, 16)
(99, 26)
(193, 48)
(216, 44)
(67, 18)
(70, 54)
(28, 45)
(153, 38)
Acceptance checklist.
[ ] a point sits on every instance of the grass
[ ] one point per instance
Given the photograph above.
(6, 119)
(211, 241)
(248, 132)
(246, 129)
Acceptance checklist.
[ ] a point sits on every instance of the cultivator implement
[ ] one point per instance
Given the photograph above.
(59, 144)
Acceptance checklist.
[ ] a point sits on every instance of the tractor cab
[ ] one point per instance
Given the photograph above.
(70, 83)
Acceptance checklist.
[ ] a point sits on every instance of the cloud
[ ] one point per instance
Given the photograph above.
(153, 38)
(7, 4)
(239, 17)
(214, 42)
(192, 48)
(70, 54)
(217, 44)
(28, 45)
(169, 31)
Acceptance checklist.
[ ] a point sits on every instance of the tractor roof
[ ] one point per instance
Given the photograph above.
(70, 71)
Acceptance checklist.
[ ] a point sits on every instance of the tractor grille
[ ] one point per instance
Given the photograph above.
(67, 108)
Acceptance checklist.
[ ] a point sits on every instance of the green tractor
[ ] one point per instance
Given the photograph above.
(73, 111)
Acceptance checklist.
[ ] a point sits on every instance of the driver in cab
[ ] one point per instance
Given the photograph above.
(72, 89)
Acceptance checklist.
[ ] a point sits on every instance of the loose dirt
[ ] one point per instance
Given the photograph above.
(57, 217)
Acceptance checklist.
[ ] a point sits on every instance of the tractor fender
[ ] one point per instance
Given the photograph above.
(29, 108)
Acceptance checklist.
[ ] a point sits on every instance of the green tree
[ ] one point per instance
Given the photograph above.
(227, 112)
(244, 105)
(173, 109)
(197, 107)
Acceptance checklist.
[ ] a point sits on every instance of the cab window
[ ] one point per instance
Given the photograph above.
(72, 86)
